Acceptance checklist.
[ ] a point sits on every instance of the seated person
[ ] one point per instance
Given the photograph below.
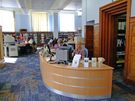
(50, 41)
(61, 43)
(29, 41)
(28, 48)
(56, 45)
(21, 37)
(79, 50)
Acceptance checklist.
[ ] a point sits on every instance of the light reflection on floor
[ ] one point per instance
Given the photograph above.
(10, 59)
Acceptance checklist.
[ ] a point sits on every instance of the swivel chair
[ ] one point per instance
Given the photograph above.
(86, 50)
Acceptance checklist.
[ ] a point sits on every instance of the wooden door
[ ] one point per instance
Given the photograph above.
(96, 40)
(131, 58)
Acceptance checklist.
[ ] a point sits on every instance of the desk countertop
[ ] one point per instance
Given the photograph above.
(81, 66)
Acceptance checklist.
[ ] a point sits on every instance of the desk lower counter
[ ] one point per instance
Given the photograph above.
(83, 83)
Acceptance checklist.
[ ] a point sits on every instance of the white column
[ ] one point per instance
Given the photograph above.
(55, 33)
(84, 15)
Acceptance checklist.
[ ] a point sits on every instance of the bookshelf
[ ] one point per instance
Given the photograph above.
(121, 37)
(38, 37)
(63, 35)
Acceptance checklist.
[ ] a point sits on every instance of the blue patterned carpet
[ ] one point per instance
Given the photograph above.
(22, 81)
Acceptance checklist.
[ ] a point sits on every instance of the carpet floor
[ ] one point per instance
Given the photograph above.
(22, 81)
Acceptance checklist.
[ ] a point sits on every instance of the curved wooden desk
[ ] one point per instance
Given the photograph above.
(83, 83)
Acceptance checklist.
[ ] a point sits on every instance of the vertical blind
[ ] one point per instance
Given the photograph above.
(39, 21)
(7, 21)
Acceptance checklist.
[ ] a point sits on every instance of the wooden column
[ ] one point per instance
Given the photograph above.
(1, 49)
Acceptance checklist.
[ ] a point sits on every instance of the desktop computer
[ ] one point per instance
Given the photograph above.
(64, 54)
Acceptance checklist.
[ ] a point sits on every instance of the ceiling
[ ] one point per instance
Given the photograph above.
(50, 6)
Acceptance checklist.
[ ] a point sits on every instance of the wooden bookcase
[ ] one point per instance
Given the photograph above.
(66, 35)
(39, 37)
(120, 59)
(88, 39)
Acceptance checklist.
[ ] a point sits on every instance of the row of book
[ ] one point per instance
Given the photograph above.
(63, 34)
(120, 42)
(120, 53)
(121, 25)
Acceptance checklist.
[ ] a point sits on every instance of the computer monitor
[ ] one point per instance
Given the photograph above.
(64, 53)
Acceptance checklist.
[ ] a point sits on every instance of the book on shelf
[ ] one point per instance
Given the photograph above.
(120, 42)
(119, 34)
(120, 61)
(122, 25)
(121, 53)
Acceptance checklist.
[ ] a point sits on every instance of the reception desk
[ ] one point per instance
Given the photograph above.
(82, 83)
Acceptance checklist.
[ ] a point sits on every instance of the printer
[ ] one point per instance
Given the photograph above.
(10, 47)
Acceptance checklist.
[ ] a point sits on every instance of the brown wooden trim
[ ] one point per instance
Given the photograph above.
(125, 73)
(130, 81)
(112, 4)
(132, 19)
(117, 7)
(117, 10)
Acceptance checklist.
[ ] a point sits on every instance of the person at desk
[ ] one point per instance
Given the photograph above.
(29, 41)
(21, 37)
(79, 50)
(61, 43)
(28, 48)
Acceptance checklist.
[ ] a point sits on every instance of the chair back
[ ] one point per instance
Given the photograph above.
(56, 46)
(86, 50)
(83, 46)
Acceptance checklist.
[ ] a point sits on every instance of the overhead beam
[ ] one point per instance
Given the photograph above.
(19, 5)
(60, 5)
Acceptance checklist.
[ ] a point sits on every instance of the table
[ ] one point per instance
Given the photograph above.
(83, 83)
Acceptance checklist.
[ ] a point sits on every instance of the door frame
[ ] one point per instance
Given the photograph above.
(107, 35)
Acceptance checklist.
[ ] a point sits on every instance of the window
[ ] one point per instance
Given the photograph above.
(39, 21)
(67, 22)
(7, 21)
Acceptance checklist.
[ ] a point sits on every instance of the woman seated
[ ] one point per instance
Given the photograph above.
(61, 43)
(79, 50)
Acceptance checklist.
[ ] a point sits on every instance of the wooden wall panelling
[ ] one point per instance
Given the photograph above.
(96, 44)
(131, 58)
(88, 39)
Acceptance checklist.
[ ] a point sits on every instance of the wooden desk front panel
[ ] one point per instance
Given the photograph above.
(81, 81)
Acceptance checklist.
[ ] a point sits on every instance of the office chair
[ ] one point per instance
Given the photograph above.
(28, 49)
(86, 50)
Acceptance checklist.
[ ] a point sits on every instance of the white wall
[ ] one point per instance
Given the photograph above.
(93, 9)
(78, 22)
(90, 22)
(23, 22)
(133, 8)
(90, 11)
